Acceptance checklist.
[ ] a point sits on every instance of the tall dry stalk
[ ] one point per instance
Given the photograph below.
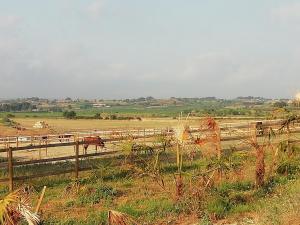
(266, 134)
(260, 166)
(212, 137)
(182, 135)
(118, 218)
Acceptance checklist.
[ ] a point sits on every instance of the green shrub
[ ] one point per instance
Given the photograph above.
(225, 188)
(9, 115)
(7, 121)
(267, 188)
(96, 218)
(288, 167)
(219, 207)
(130, 210)
(69, 114)
(95, 195)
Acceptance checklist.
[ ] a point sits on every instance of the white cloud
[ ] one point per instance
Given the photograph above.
(95, 8)
(8, 21)
(287, 12)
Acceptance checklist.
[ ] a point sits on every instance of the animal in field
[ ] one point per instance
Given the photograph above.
(137, 149)
(44, 139)
(95, 140)
(65, 137)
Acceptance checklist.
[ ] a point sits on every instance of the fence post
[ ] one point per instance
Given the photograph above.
(74, 139)
(47, 145)
(40, 153)
(10, 170)
(77, 160)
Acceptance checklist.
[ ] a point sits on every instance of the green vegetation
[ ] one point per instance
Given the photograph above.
(69, 114)
(127, 188)
(145, 107)
(171, 183)
(7, 121)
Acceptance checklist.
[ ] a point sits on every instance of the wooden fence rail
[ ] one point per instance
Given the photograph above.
(79, 140)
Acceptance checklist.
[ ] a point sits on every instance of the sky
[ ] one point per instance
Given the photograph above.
(161, 48)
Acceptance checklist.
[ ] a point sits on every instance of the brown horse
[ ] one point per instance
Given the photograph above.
(96, 140)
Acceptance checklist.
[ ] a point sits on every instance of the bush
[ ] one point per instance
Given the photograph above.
(113, 117)
(69, 114)
(9, 115)
(288, 167)
(97, 116)
(7, 121)
(219, 207)
(280, 104)
(94, 195)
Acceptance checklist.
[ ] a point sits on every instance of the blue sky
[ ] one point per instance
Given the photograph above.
(160, 48)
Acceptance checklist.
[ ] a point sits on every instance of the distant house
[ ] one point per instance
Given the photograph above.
(99, 105)
(40, 125)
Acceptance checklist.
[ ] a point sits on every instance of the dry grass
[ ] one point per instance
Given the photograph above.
(65, 124)
(84, 124)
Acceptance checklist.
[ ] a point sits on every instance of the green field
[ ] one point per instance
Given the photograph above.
(122, 187)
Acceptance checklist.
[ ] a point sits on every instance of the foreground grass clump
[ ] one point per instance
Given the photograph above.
(93, 195)
(230, 197)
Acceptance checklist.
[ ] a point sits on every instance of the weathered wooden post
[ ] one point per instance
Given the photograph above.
(47, 145)
(10, 170)
(40, 153)
(74, 139)
(77, 160)
(17, 141)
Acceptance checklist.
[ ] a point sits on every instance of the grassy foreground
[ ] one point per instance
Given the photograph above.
(132, 188)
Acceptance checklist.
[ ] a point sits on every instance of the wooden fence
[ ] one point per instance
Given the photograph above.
(14, 144)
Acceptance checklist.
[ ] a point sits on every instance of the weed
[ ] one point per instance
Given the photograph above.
(219, 207)
(94, 195)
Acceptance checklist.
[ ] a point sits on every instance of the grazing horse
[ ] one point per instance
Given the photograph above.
(96, 140)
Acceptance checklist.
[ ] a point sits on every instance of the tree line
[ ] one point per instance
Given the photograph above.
(16, 107)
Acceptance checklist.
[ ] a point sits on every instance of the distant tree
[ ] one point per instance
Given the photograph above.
(150, 98)
(141, 99)
(16, 106)
(55, 109)
(68, 99)
(9, 115)
(69, 114)
(280, 104)
(113, 117)
(97, 116)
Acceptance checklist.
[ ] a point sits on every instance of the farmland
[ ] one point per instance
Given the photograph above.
(149, 112)
(180, 183)
(145, 187)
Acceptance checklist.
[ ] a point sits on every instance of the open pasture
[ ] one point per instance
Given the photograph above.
(65, 125)
(183, 184)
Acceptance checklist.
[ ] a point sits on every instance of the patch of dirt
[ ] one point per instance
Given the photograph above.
(10, 131)
(293, 219)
